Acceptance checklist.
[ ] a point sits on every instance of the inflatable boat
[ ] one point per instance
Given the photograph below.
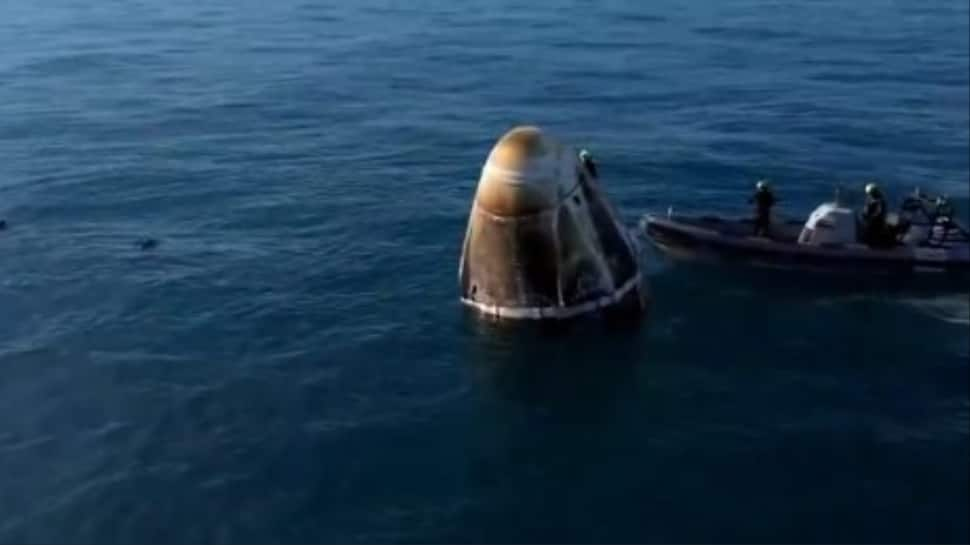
(924, 237)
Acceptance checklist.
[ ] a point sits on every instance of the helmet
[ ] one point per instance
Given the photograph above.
(762, 185)
(872, 188)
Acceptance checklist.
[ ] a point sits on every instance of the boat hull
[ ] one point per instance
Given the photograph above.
(684, 241)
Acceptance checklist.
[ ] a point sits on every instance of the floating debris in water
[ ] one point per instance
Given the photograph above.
(147, 243)
(3, 224)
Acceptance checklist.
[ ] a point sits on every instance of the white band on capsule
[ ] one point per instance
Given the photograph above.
(536, 313)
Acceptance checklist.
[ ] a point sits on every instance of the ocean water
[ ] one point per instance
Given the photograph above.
(291, 363)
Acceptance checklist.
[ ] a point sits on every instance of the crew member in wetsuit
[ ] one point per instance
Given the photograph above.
(763, 200)
(943, 209)
(874, 216)
(942, 218)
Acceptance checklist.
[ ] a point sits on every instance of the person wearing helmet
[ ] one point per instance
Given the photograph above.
(763, 200)
(942, 217)
(874, 215)
(587, 160)
(942, 208)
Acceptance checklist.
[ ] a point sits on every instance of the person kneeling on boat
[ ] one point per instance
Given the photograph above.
(874, 228)
(763, 200)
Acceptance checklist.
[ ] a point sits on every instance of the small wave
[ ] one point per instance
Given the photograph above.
(634, 17)
(73, 63)
(746, 34)
(952, 309)
(924, 77)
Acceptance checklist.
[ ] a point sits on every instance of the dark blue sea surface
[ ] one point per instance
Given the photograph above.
(291, 362)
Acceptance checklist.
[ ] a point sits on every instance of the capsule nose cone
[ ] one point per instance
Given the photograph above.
(542, 242)
(521, 175)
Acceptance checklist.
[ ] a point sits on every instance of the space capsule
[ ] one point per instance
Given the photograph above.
(542, 240)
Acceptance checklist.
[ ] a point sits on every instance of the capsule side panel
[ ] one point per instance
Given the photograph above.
(510, 262)
(581, 273)
(617, 252)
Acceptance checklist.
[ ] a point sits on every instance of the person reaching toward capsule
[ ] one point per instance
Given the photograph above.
(587, 160)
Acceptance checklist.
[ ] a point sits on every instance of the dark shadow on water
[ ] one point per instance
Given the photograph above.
(554, 402)
(563, 365)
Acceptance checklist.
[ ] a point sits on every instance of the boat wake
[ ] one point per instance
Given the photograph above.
(952, 308)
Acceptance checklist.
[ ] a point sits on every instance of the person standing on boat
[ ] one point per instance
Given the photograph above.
(763, 200)
(874, 215)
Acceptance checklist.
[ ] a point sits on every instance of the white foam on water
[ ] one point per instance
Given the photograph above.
(951, 308)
